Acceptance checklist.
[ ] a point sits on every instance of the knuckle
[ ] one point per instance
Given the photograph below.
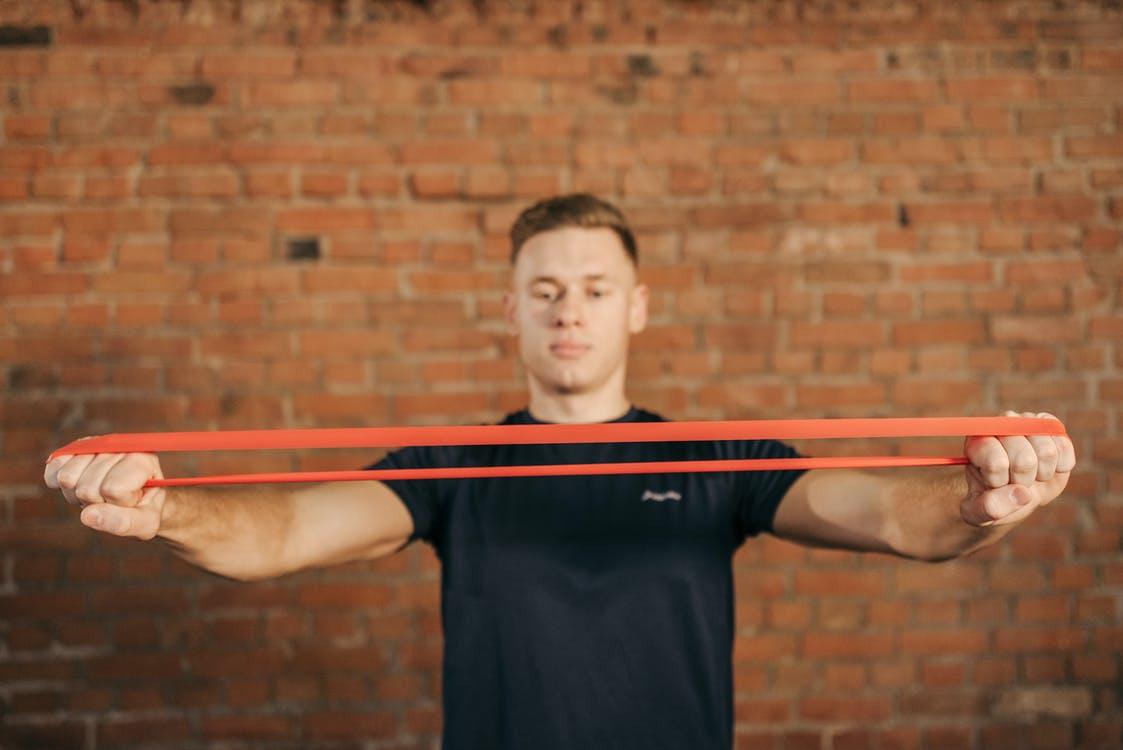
(995, 466)
(1022, 463)
(86, 494)
(116, 489)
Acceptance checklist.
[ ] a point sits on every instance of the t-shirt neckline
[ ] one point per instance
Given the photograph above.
(524, 416)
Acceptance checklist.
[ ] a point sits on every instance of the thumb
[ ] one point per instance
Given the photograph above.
(1002, 505)
(119, 520)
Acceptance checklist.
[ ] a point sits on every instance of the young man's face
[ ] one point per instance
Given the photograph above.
(574, 302)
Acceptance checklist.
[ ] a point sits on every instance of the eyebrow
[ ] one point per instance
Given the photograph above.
(554, 280)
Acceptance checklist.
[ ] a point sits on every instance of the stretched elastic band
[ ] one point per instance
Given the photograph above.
(612, 432)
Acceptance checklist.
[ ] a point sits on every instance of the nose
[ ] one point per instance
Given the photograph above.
(569, 311)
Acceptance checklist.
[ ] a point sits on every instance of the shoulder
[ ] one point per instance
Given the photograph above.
(645, 415)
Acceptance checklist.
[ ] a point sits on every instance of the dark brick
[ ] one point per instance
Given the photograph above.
(25, 36)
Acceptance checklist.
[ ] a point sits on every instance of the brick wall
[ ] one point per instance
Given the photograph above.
(252, 214)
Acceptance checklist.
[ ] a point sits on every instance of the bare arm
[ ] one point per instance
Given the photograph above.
(251, 533)
(246, 533)
(906, 512)
(933, 513)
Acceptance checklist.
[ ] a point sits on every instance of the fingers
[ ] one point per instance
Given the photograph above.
(68, 473)
(50, 471)
(1017, 459)
(1066, 453)
(124, 484)
(1021, 458)
(990, 460)
(1005, 505)
(88, 489)
(140, 522)
(107, 477)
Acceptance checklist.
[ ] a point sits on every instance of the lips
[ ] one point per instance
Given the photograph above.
(568, 349)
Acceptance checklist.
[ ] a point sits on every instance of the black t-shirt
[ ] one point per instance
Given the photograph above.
(589, 611)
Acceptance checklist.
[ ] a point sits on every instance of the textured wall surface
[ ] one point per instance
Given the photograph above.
(221, 215)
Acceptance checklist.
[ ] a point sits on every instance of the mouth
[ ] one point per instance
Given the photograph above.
(568, 350)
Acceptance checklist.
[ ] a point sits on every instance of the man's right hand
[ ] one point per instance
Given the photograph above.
(109, 487)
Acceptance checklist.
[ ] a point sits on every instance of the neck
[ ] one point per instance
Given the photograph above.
(599, 406)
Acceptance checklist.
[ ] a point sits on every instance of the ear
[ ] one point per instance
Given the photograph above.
(510, 312)
(637, 309)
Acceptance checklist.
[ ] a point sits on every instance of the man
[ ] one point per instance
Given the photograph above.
(579, 611)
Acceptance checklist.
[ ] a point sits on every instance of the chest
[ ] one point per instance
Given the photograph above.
(599, 526)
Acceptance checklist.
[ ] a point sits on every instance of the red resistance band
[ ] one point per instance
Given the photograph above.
(612, 432)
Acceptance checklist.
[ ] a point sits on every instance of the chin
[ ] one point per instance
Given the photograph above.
(569, 385)
(566, 383)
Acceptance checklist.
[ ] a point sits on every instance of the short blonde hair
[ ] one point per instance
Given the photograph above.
(572, 210)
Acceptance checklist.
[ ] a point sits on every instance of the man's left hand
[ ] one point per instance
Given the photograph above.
(1010, 477)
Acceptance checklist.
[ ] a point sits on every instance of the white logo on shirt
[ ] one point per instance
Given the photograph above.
(660, 496)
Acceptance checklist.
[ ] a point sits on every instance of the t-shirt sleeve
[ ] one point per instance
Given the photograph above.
(425, 499)
(758, 493)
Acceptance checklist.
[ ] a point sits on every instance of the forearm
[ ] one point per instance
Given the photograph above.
(924, 508)
(237, 532)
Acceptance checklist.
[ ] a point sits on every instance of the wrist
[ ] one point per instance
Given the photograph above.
(169, 515)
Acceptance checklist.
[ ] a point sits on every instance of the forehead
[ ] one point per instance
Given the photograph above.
(573, 252)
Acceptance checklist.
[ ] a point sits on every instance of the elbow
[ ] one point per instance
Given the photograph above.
(936, 557)
(910, 549)
(241, 574)
(931, 553)
(244, 577)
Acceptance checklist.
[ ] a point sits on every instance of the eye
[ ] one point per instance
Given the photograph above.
(598, 293)
(542, 293)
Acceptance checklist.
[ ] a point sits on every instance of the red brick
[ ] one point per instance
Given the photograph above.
(922, 333)
(181, 154)
(910, 151)
(275, 153)
(839, 583)
(1072, 208)
(341, 725)
(784, 93)
(327, 220)
(1013, 88)
(961, 212)
(1028, 640)
(407, 406)
(28, 283)
(429, 219)
(817, 151)
(208, 184)
(888, 90)
(764, 647)
(358, 408)
(962, 272)
(442, 184)
(336, 343)
(846, 645)
(239, 222)
(324, 184)
(455, 281)
(833, 396)
(269, 65)
(845, 709)
(306, 92)
(337, 63)
(268, 184)
(1033, 330)
(944, 641)
(1046, 271)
